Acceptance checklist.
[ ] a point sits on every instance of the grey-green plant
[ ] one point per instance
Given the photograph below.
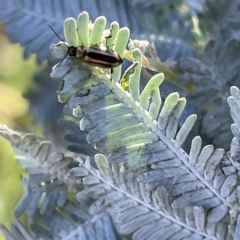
(141, 184)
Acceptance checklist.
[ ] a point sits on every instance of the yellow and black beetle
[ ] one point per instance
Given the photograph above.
(99, 56)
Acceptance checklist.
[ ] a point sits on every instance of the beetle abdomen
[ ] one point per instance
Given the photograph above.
(105, 58)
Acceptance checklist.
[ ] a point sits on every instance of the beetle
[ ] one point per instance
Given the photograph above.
(94, 55)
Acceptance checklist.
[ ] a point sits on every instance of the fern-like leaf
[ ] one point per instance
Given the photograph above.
(144, 180)
(27, 23)
(46, 184)
(206, 75)
(191, 191)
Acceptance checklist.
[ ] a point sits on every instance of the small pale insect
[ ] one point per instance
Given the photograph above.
(99, 56)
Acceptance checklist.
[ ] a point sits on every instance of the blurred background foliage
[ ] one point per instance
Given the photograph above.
(14, 112)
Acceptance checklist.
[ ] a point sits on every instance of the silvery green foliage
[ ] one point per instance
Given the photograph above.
(194, 193)
(222, 19)
(76, 139)
(212, 77)
(47, 184)
(233, 101)
(194, 5)
(40, 97)
(216, 71)
(47, 188)
(72, 222)
(172, 49)
(27, 23)
(143, 179)
(143, 185)
(17, 231)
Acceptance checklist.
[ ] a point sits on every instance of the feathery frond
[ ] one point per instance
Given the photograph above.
(212, 82)
(190, 189)
(47, 183)
(27, 23)
(144, 184)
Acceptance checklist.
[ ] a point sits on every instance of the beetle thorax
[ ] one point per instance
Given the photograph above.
(80, 54)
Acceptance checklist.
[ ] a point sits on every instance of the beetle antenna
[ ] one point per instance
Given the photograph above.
(62, 60)
(55, 33)
(60, 40)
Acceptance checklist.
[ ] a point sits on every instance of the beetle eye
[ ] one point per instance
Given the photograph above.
(72, 51)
